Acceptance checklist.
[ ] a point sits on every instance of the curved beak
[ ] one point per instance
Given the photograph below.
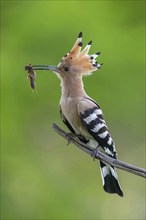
(41, 67)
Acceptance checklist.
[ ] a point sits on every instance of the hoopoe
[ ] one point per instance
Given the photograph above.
(81, 114)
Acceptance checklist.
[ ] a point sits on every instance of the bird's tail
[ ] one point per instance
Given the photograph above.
(110, 179)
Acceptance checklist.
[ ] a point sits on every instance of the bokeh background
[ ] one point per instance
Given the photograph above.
(41, 177)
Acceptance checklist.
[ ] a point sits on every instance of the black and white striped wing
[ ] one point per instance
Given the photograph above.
(92, 119)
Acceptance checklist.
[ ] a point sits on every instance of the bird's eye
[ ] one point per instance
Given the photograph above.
(66, 69)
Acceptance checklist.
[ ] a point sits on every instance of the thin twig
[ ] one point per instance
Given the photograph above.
(100, 156)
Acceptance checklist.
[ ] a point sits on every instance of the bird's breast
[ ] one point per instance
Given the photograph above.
(69, 108)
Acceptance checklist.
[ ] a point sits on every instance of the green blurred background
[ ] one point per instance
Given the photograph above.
(41, 177)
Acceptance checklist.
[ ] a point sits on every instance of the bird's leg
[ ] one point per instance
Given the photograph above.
(70, 136)
(95, 152)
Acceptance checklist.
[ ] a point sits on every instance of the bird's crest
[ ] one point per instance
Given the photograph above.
(79, 61)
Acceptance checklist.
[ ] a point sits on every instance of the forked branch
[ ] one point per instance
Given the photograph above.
(100, 156)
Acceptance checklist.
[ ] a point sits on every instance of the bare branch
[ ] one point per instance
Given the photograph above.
(100, 156)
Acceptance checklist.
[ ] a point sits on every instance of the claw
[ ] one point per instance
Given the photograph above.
(95, 153)
(69, 137)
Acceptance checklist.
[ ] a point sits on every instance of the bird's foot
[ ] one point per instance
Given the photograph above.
(95, 153)
(69, 137)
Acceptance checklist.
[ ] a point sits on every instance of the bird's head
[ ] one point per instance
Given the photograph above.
(78, 61)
